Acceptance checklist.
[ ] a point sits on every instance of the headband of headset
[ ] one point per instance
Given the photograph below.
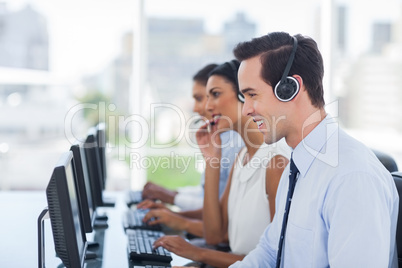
(288, 87)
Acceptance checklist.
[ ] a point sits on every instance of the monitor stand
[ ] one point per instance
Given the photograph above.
(41, 237)
(89, 255)
(108, 202)
(92, 244)
(100, 224)
(101, 217)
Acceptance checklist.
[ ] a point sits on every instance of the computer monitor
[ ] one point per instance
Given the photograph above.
(69, 238)
(88, 208)
(94, 169)
(101, 142)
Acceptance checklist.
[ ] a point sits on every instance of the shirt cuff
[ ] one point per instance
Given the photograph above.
(188, 201)
(191, 190)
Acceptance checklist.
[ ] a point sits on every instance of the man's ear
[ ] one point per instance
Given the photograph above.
(299, 79)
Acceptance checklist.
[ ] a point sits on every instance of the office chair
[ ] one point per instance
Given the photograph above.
(398, 182)
(388, 162)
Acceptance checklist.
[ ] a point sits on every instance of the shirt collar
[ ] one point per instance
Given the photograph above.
(314, 146)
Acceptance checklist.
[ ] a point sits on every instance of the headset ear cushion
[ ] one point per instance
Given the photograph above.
(287, 90)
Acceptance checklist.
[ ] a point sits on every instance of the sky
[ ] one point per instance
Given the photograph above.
(85, 35)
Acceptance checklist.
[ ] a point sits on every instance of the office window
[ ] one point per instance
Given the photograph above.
(65, 66)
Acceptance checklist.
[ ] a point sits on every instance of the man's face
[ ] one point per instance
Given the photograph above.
(260, 102)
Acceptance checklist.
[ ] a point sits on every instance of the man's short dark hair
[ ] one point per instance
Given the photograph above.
(275, 49)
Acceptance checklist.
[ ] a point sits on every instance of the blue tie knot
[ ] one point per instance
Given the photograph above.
(293, 169)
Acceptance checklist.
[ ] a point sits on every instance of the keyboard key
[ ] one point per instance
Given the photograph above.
(133, 197)
(132, 219)
(140, 246)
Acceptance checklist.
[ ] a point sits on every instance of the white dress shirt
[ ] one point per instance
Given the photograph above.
(343, 212)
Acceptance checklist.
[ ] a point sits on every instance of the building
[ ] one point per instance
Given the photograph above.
(33, 103)
(237, 30)
(381, 36)
(24, 40)
(176, 49)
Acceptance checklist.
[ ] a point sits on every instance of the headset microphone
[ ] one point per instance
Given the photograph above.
(288, 87)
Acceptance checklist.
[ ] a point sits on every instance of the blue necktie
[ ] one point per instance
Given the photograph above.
(292, 184)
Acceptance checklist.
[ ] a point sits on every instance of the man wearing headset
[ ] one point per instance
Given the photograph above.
(336, 205)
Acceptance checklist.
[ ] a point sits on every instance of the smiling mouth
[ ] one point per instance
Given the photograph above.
(215, 120)
(259, 122)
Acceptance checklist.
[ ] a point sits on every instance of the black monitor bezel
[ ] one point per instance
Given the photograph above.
(61, 214)
(87, 204)
(101, 145)
(94, 169)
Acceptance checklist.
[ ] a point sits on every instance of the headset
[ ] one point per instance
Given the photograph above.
(240, 96)
(288, 87)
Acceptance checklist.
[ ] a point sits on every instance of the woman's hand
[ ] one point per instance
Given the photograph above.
(166, 217)
(209, 142)
(149, 204)
(154, 191)
(179, 246)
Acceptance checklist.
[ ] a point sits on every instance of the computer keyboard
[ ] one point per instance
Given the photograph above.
(132, 219)
(133, 198)
(140, 246)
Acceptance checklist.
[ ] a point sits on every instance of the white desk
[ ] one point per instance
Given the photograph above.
(19, 237)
